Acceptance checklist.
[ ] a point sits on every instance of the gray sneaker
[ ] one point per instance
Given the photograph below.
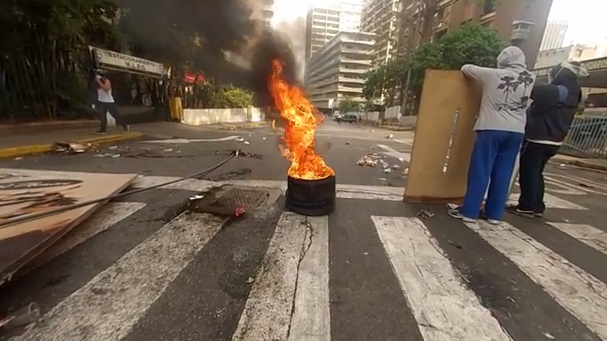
(455, 214)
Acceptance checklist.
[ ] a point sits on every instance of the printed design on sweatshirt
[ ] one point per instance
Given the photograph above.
(510, 85)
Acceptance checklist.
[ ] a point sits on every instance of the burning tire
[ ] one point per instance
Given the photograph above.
(311, 197)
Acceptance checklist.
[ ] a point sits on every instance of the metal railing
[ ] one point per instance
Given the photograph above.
(587, 137)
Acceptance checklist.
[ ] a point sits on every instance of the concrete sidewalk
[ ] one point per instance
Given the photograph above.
(38, 141)
(596, 164)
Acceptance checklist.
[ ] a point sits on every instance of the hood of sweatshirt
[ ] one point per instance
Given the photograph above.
(511, 57)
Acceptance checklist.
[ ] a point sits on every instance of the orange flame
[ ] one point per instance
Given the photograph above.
(301, 122)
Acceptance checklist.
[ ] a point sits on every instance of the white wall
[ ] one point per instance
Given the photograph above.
(213, 116)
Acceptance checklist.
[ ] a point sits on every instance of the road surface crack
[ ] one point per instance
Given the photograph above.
(309, 233)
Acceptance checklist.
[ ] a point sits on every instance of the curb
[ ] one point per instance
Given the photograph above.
(44, 148)
(579, 163)
(588, 165)
(242, 125)
(45, 126)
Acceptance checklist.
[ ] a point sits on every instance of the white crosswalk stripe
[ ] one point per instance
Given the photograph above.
(436, 294)
(290, 298)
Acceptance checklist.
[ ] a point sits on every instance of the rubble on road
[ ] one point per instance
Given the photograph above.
(366, 161)
(425, 214)
(70, 147)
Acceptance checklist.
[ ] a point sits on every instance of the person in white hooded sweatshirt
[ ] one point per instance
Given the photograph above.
(500, 130)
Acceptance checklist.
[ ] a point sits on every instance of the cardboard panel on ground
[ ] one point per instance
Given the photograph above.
(443, 138)
(24, 192)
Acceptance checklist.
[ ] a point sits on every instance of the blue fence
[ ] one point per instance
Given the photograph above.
(587, 137)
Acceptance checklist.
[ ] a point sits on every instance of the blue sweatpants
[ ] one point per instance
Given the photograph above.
(492, 163)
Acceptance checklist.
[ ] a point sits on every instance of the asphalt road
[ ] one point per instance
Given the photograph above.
(369, 271)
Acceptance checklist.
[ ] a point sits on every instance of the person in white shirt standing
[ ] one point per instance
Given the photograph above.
(105, 103)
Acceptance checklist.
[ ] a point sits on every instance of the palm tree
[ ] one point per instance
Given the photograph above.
(507, 85)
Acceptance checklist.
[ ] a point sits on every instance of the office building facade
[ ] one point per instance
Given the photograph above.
(337, 70)
(325, 21)
(554, 34)
(518, 22)
(381, 17)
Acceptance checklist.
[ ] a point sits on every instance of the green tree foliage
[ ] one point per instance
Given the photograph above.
(348, 105)
(469, 43)
(44, 60)
(385, 80)
(212, 96)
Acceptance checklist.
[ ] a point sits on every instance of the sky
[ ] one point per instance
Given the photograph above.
(586, 17)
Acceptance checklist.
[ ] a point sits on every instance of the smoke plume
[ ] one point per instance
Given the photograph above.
(165, 29)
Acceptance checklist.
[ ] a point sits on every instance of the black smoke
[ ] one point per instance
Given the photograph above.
(164, 29)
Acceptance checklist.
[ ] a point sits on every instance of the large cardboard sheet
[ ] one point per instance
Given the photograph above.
(443, 137)
(24, 192)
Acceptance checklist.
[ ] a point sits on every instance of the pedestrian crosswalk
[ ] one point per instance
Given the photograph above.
(317, 279)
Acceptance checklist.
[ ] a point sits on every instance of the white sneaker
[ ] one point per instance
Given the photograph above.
(493, 221)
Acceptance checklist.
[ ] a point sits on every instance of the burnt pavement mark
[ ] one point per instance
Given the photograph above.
(206, 300)
(366, 299)
(521, 306)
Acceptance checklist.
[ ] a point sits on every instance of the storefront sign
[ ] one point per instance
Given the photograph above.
(123, 62)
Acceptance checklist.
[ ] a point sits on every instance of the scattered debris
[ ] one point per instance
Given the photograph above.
(112, 148)
(456, 245)
(387, 170)
(452, 206)
(562, 165)
(366, 161)
(18, 158)
(406, 171)
(69, 148)
(168, 150)
(247, 143)
(197, 197)
(391, 136)
(250, 280)
(240, 139)
(549, 336)
(239, 211)
(395, 167)
(265, 138)
(113, 156)
(21, 317)
(401, 159)
(425, 214)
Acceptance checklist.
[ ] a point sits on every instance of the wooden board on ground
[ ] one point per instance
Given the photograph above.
(24, 192)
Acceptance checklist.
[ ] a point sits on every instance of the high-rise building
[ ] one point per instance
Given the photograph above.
(518, 22)
(381, 18)
(554, 34)
(324, 21)
(337, 70)
(267, 8)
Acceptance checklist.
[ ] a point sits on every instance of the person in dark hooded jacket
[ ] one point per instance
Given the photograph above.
(548, 121)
